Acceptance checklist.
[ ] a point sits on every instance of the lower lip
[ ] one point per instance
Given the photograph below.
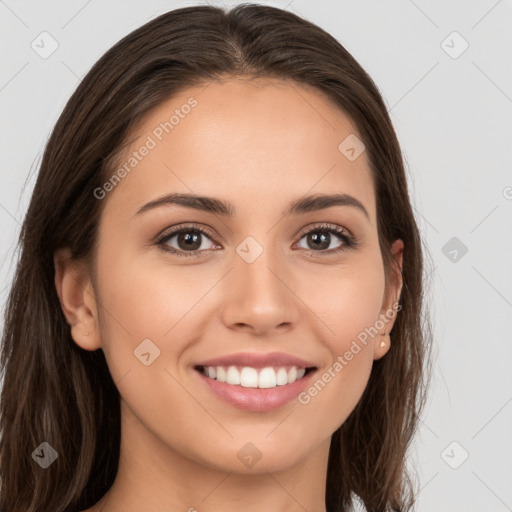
(256, 399)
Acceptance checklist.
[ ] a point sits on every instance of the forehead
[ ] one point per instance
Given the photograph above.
(250, 142)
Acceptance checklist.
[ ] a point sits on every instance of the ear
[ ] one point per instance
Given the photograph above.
(77, 299)
(389, 307)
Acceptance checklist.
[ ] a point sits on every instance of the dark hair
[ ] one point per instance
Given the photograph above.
(54, 391)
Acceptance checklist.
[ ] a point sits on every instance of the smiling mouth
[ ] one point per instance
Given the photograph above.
(249, 377)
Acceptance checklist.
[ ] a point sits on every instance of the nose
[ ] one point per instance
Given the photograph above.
(259, 297)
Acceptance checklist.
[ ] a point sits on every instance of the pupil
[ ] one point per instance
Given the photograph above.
(190, 241)
(323, 238)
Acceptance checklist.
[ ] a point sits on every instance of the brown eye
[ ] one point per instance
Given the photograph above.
(320, 238)
(186, 241)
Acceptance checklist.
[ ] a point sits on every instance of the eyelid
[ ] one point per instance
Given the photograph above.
(326, 225)
(169, 232)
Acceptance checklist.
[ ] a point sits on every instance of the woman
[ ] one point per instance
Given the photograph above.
(218, 302)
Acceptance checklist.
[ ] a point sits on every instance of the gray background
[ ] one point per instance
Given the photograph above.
(453, 119)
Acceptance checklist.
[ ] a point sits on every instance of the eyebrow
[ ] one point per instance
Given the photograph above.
(220, 207)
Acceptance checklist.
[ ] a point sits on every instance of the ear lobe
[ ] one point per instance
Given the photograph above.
(77, 300)
(382, 346)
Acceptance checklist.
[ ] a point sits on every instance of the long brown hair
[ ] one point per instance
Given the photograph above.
(56, 392)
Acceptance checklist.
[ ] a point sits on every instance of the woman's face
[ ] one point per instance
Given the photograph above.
(261, 280)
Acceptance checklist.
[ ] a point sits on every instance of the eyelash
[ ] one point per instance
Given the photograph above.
(350, 242)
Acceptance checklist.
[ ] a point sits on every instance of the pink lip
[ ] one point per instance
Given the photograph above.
(256, 360)
(256, 399)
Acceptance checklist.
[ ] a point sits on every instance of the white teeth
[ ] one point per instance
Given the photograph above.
(267, 378)
(233, 376)
(249, 377)
(282, 377)
(221, 374)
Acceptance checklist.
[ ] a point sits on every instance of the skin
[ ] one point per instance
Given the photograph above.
(243, 141)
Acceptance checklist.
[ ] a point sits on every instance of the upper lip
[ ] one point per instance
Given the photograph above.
(257, 360)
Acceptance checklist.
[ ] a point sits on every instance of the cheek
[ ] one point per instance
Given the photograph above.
(146, 311)
(348, 303)
(141, 299)
(347, 299)
(130, 308)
